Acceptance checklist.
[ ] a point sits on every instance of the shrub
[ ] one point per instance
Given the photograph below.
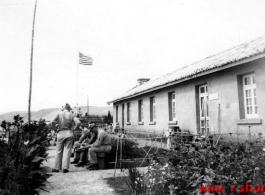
(20, 161)
(127, 148)
(190, 166)
(136, 182)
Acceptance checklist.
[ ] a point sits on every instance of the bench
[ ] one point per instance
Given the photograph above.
(102, 161)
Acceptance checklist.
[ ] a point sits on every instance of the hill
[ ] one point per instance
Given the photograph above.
(10, 115)
(49, 113)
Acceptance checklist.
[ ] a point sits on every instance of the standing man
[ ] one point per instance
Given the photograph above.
(65, 138)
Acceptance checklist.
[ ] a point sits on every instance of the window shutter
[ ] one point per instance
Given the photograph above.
(240, 97)
(151, 108)
(170, 106)
(116, 113)
(139, 110)
(128, 112)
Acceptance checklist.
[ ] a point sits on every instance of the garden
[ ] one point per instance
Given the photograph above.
(199, 168)
(22, 153)
(191, 167)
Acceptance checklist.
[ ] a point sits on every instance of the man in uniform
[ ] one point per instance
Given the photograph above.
(102, 144)
(65, 138)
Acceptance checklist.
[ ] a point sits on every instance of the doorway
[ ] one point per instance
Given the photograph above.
(203, 110)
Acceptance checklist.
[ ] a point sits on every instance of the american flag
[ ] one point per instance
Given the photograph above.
(85, 60)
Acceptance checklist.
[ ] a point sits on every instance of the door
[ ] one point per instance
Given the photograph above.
(204, 109)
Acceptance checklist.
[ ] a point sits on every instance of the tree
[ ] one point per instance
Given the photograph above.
(110, 118)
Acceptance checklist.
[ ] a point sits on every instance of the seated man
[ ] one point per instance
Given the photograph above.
(76, 147)
(89, 137)
(81, 136)
(103, 144)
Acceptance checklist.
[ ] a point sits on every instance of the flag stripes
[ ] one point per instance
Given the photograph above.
(85, 60)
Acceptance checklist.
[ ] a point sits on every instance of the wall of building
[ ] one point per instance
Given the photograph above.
(224, 112)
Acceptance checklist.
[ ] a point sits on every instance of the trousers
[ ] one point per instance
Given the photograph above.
(83, 156)
(64, 147)
(92, 152)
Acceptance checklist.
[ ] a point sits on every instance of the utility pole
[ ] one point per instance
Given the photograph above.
(31, 60)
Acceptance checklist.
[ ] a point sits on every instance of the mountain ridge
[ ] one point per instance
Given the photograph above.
(49, 113)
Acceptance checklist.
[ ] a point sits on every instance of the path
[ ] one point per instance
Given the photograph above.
(78, 181)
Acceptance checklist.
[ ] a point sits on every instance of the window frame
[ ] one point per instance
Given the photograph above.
(252, 88)
(172, 106)
(152, 109)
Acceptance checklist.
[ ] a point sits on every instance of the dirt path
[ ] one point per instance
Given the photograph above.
(78, 181)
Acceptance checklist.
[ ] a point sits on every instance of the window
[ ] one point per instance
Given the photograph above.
(152, 109)
(141, 111)
(172, 106)
(128, 112)
(117, 113)
(250, 96)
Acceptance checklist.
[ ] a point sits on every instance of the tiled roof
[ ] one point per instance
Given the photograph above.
(227, 57)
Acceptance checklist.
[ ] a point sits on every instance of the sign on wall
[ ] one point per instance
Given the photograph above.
(213, 96)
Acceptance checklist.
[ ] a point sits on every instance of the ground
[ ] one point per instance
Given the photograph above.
(79, 181)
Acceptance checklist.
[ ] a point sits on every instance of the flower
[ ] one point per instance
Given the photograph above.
(166, 165)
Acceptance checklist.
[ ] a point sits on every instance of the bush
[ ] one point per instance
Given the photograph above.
(191, 166)
(21, 172)
(127, 148)
(136, 183)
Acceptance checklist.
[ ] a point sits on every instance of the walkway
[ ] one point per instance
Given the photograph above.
(78, 181)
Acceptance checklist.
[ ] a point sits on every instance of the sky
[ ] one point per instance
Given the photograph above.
(127, 39)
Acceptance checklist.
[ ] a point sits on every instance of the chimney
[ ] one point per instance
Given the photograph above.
(142, 81)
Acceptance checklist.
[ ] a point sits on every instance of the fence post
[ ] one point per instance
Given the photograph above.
(146, 137)
(116, 154)
(121, 154)
(249, 138)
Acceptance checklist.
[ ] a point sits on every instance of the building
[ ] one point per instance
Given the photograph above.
(223, 93)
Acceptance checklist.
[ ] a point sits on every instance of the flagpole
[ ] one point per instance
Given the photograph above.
(31, 67)
(83, 60)
(77, 84)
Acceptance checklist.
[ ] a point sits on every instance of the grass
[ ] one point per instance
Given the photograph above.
(119, 185)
